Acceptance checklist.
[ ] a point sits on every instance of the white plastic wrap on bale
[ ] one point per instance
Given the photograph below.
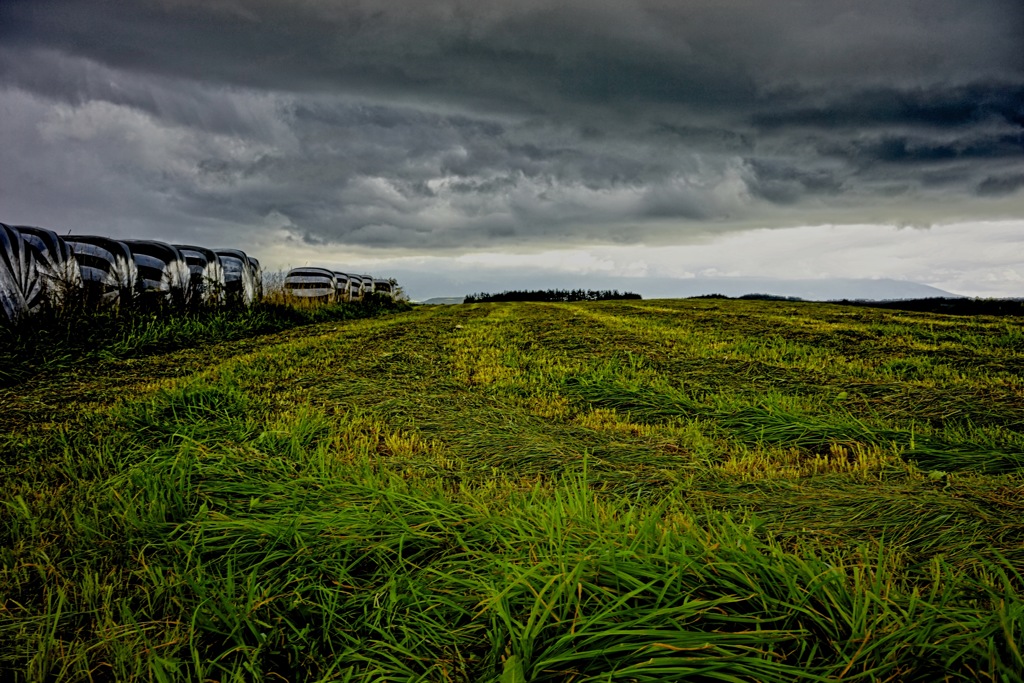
(108, 270)
(58, 267)
(238, 279)
(206, 274)
(342, 282)
(257, 278)
(164, 272)
(311, 283)
(367, 284)
(21, 289)
(383, 287)
(355, 288)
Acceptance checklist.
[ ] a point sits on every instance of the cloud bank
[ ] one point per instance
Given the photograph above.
(475, 125)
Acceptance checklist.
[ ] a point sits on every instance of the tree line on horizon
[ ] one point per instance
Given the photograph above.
(551, 295)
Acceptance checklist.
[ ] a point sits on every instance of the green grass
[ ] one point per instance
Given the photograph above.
(650, 491)
(54, 340)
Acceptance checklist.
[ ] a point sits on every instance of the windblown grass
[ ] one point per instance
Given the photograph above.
(520, 493)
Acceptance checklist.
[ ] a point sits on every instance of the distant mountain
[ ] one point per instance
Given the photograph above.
(443, 300)
(440, 287)
(811, 290)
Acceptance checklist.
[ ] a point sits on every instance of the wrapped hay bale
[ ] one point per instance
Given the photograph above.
(164, 272)
(56, 262)
(22, 291)
(316, 284)
(257, 276)
(239, 282)
(355, 288)
(206, 273)
(384, 287)
(109, 275)
(343, 282)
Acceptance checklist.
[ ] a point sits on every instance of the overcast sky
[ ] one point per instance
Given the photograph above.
(629, 138)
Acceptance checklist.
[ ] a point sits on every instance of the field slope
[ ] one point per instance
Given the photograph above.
(619, 491)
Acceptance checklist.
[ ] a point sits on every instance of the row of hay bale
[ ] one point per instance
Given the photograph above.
(40, 268)
(322, 284)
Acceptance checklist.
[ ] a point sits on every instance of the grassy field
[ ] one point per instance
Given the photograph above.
(616, 491)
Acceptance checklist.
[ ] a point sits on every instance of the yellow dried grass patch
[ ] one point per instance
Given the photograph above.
(608, 420)
(549, 406)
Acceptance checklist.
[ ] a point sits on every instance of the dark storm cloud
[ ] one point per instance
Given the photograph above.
(931, 107)
(454, 124)
(783, 183)
(919, 150)
(1001, 185)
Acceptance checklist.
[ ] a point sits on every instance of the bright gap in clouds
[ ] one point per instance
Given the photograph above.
(982, 259)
